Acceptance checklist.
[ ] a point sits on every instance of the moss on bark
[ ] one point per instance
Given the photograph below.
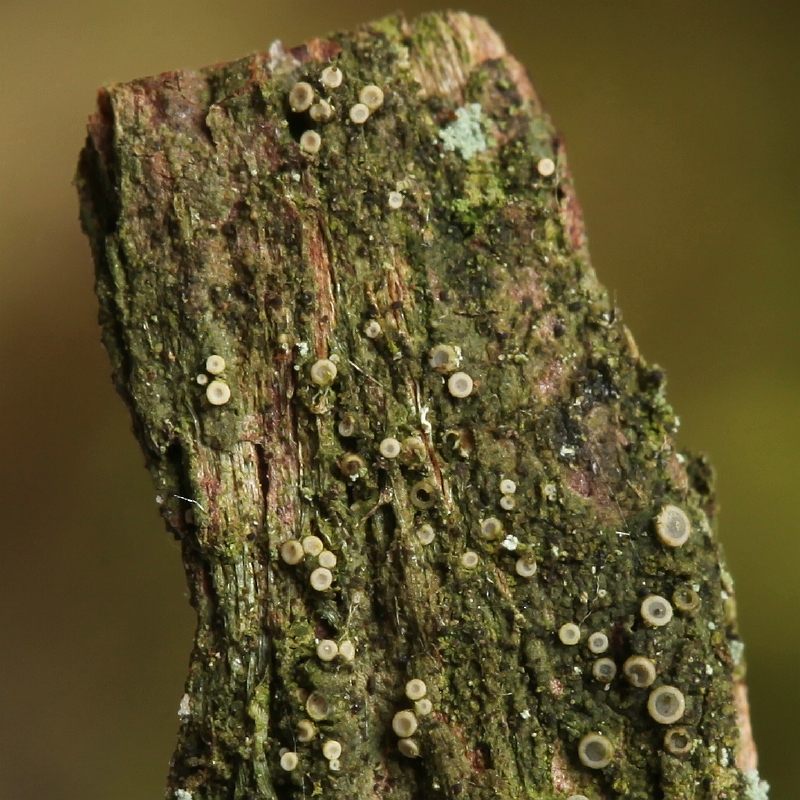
(213, 232)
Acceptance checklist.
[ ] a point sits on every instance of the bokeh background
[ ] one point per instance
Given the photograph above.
(681, 120)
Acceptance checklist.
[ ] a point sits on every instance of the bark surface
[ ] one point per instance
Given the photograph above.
(434, 224)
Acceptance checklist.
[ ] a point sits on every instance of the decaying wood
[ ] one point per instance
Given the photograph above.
(436, 223)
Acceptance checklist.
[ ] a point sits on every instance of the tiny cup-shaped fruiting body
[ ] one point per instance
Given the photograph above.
(460, 385)
(327, 650)
(408, 747)
(389, 448)
(426, 533)
(416, 689)
(595, 751)
(666, 704)
(656, 610)
(443, 358)
(507, 502)
(306, 730)
(372, 330)
(604, 669)
(310, 142)
(347, 650)
(470, 559)
(215, 365)
(331, 749)
(202, 379)
(507, 486)
(673, 526)
(371, 96)
(526, 568)
(289, 761)
(394, 200)
(301, 97)
(640, 671)
(598, 642)
(577, 797)
(352, 465)
(359, 114)
(321, 579)
(292, 551)
(413, 451)
(323, 372)
(686, 599)
(423, 707)
(404, 724)
(327, 559)
(678, 742)
(460, 440)
(312, 545)
(491, 528)
(423, 495)
(334, 765)
(218, 393)
(569, 633)
(321, 111)
(347, 425)
(317, 706)
(331, 77)
(546, 167)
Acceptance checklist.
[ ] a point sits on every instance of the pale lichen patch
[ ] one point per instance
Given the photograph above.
(757, 789)
(465, 133)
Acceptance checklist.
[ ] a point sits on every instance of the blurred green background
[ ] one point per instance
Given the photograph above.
(682, 123)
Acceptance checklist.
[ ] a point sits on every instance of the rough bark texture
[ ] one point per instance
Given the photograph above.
(213, 232)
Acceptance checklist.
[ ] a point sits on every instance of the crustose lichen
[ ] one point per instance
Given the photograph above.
(465, 133)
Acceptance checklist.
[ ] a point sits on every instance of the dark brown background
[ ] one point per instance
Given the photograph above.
(682, 124)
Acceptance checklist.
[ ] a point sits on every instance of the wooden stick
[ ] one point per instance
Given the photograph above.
(403, 435)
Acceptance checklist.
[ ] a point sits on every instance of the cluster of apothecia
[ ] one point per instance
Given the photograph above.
(666, 704)
(314, 99)
(293, 552)
(406, 722)
(218, 393)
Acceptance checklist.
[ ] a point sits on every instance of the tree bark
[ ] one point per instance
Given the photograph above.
(431, 258)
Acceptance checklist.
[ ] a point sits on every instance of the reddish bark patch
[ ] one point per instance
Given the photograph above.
(571, 213)
(527, 286)
(580, 483)
(552, 379)
(746, 756)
